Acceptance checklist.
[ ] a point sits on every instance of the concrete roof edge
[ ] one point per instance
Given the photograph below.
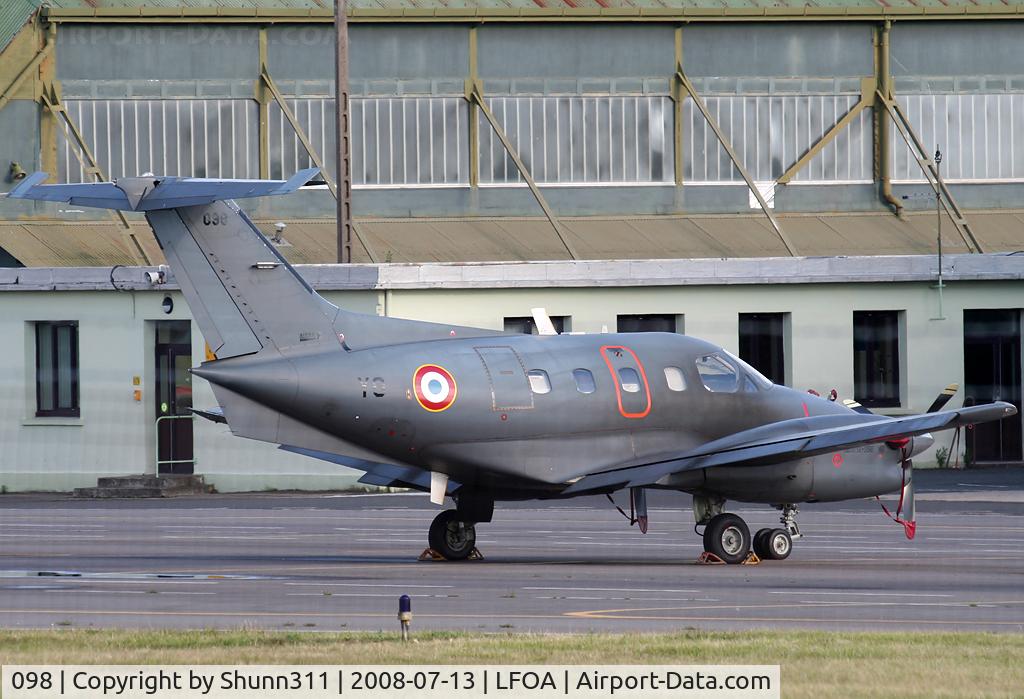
(567, 274)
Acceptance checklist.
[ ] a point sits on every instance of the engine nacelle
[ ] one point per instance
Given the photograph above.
(861, 472)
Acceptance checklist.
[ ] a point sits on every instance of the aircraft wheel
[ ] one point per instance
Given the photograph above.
(761, 543)
(451, 537)
(728, 537)
(779, 544)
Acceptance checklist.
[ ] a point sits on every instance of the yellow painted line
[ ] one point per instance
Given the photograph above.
(807, 605)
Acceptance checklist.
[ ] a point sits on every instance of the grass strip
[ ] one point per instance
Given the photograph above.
(814, 663)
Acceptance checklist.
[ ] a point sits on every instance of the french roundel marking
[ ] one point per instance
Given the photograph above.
(434, 387)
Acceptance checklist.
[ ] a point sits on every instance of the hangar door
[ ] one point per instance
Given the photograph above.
(173, 393)
(992, 371)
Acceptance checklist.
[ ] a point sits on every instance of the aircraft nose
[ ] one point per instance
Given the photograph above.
(921, 443)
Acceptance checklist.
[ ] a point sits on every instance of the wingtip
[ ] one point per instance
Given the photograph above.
(28, 183)
(298, 180)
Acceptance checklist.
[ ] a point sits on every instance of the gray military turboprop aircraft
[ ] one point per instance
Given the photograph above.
(484, 416)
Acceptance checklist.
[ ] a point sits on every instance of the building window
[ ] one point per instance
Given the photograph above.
(876, 358)
(539, 382)
(57, 369)
(584, 380)
(526, 325)
(674, 378)
(649, 323)
(763, 343)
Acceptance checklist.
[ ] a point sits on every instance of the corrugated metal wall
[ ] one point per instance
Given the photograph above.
(585, 105)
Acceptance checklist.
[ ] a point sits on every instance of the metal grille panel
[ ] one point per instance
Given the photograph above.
(396, 141)
(198, 138)
(580, 140)
(980, 136)
(770, 133)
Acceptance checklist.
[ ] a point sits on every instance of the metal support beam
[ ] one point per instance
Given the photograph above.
(263, 99)
(699, 103)
(931, 172)
(49, 42)
(475, 95)
(867, 100)
(473, 84)
(883, 137)
(343, 195)
(51, 100)
(677, 101)
(313, 153)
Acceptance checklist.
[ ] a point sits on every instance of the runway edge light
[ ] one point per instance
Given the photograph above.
(405, 615)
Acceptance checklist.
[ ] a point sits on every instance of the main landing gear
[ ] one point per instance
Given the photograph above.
(727, 536)
(452, 534)
(452, 537)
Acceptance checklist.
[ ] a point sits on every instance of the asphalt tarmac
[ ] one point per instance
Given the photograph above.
(334, 561)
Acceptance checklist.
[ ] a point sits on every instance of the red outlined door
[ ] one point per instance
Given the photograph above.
(630, 380)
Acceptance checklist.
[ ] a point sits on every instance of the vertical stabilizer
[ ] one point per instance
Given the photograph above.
(244, 294)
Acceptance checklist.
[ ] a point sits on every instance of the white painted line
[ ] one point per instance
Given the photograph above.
(414, 587)
(607, 589)
(859, 594)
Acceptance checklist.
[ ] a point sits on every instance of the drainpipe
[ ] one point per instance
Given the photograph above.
(884, 126)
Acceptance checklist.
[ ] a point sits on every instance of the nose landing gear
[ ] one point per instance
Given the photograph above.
(727, 537)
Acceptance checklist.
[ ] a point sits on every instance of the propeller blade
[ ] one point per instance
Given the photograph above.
(855, 406)
(908, 518)
(943, 398)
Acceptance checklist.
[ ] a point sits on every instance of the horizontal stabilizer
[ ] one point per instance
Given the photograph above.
(211, 414)
(154, 193)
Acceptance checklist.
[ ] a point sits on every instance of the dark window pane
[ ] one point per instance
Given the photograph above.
(173, 332)
(526, 326)
(876, 358)
(57, 369)
(647, 323)
(65, 369)
(762, 343)
(44, 366)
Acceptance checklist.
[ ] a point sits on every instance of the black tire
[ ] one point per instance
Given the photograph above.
(728, 537)
(451, 537)
(761, 544)
(779, 544)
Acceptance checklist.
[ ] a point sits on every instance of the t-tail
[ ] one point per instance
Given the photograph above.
(245, 297)
(243, 294)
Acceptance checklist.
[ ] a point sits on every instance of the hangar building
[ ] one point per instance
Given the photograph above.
(763, 176)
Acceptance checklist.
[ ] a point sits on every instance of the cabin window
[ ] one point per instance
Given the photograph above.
(584, 380)
(629, 379)
(539, 382)
(57, 369)
(674, 378)
(717, 375)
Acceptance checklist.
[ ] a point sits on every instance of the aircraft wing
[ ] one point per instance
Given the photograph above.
(785, 441)
(380, 474)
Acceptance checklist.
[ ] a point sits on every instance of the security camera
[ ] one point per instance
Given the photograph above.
(158, 277)
(279, 231)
